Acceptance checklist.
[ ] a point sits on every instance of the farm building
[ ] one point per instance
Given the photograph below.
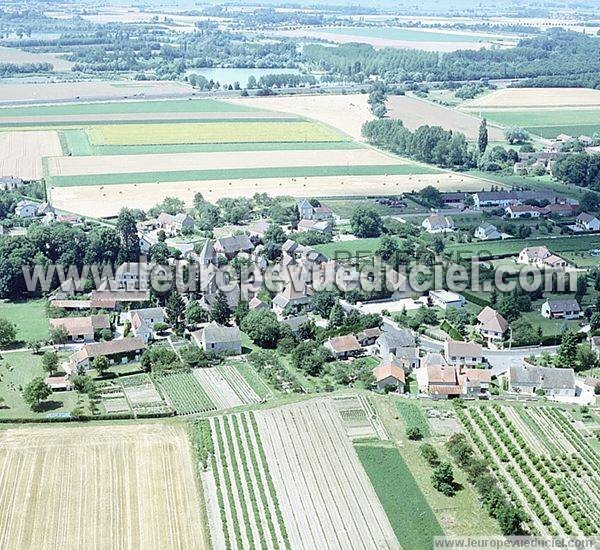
(389, 374)
(561, 309)
(116, 351)
(445, 299)
(343, 347)
(436, 223)
(553, 382)
(82, 329)
(219, 339)
(463, 353)
(491, 325)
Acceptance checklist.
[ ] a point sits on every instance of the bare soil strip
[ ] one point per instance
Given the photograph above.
(415, 112)
(124, 487)
(106, 201)
(132, 164)
(21, 153)
(325, 495)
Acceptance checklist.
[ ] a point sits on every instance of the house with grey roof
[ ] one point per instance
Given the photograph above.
(528, 379)
(219, 339)
(231, 246)
(392, 341)
(561, 309)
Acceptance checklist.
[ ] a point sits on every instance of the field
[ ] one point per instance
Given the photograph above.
(545, 465)
(414, 112)
(21, 153)
(30, 318)
(325, 496)
(99, 487)
(411, 517)
(391, 37)
(184, 393)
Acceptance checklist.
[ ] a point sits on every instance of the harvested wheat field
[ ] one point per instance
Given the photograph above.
(79, 166)
(347, 113)
(125, 487)
(21, 153)
(106, 201)
(415, 112)
(509, 98)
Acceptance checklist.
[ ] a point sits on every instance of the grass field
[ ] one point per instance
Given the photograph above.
(549, 123)
(237, 174)
(76, 143)
(99, 487)
(29, 317)
(210, 132)
(413, 521)
(118, 107)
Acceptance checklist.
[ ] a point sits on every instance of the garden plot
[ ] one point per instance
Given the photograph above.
(184, 394)
(326, 498)
(125, 487)
(217, 387)
(250, 514)
(21, 153)
(142, 395)
(358, 417)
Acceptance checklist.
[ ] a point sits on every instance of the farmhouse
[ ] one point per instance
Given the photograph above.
(392, 342)
(231, 246)
(491, 325)
(26, 209)
(445, 299)
(389, 374)
(561, 309)
(523, 211)
(436, 223)
(173, 225)
(463, 353)
(322, 227)
(117, 351)
(552, 381)
(587, 222)
(82, 329)
(487, 232)
(219, 339)
(343, 347)
(307, 211)
(8, 183)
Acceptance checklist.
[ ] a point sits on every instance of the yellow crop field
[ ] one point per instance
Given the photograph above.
(211, 132)
(124, 487)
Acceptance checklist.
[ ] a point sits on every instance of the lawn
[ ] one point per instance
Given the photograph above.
(549, 123)
(211, 132)
(18, 369)
(355, 248)
(412, 520)
(118, 107)
(29, 317)
(239, 173)
(78, 144)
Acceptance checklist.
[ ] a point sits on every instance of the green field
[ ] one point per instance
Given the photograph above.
(30, 318)
(210, 132)
(120, 107)
(238, 173)
(391, 33)
(549, 123)
(18, 369)
(581, 243)
(76, 143)
(412, 520)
